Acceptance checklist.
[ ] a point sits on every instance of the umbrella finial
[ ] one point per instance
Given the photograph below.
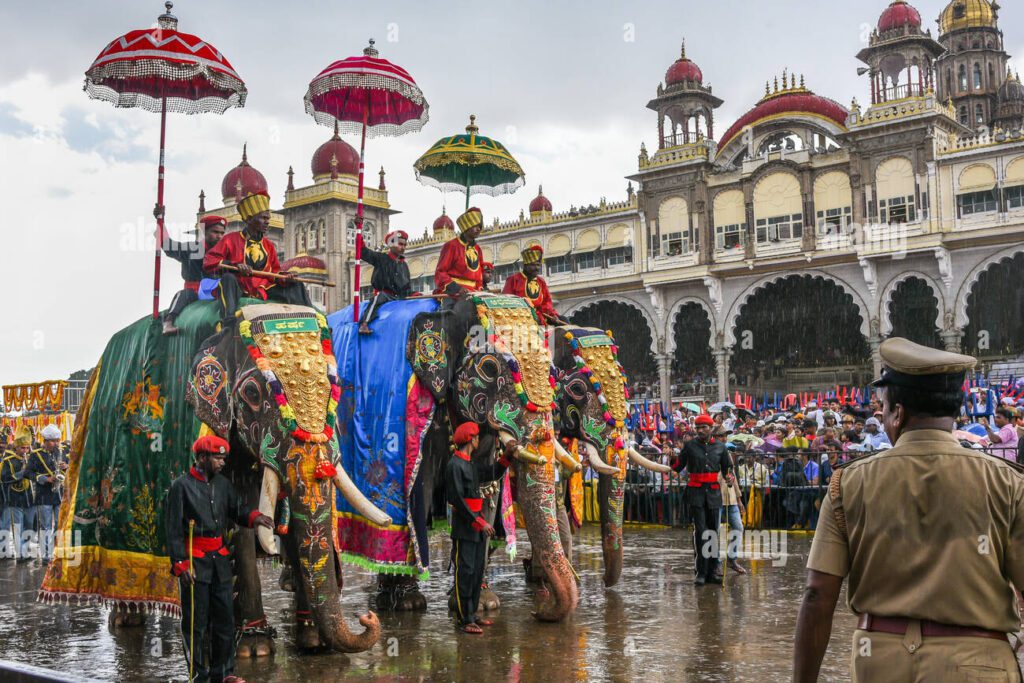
(168, 21)
(472, 128)
(371, 51)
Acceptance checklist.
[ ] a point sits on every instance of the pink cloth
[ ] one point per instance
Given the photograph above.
(1007, 446)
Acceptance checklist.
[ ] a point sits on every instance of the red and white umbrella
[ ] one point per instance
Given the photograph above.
(161, 69)
(372, 97)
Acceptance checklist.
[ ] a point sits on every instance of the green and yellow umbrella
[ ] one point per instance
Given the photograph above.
(471, 163)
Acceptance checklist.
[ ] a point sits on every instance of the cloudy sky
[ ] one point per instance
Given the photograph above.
(563, 83)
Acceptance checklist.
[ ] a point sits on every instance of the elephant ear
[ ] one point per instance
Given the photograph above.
(436, 346)
(209, 385)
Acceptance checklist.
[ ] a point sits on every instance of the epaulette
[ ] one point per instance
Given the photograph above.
(836, 497)
(1015, 465)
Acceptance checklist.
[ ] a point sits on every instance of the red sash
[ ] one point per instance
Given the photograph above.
(474, 504)
(700, 478)
(201, 545)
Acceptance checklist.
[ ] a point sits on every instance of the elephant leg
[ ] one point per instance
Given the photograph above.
(286, 581)
(120, 617)
(399, 593)
(256, 637)
(307, 636)
(489, 599)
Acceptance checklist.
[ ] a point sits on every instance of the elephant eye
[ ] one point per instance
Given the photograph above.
(251, 394)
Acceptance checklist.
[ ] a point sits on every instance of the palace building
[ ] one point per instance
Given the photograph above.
(778, 254)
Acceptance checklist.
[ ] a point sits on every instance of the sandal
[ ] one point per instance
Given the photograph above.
(472, 628)
(484, 622)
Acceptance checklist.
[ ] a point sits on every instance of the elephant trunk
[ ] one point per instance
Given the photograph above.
(610, 492)
(319, 573)
(535, 496)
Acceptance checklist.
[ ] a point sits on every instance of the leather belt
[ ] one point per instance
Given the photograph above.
(929, 629)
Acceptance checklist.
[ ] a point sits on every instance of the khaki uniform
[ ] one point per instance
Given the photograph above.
(928, 530)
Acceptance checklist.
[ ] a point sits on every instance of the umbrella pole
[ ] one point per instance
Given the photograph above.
(467, 188)
(359, 223)
(160, 212)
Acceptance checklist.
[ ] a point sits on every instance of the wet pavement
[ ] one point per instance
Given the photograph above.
(655, 625)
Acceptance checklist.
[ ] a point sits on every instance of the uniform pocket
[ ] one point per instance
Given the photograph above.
(978, 673)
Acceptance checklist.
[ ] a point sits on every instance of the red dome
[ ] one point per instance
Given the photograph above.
(242, 180)
(898, 14)
(443, 222)
(540, 202)
(335, 148)
(795, 103)
(682, 71)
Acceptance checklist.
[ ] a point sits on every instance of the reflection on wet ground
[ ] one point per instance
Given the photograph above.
(655, 625)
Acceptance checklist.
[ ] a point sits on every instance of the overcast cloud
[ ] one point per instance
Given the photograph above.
(563, 84)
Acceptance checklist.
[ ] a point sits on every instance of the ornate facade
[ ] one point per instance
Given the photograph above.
(780, 256)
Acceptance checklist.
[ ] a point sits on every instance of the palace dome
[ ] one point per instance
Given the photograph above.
(897, 15)
(961, 14)
(794, 101)
(242, 180)
(1012, 90)
(444, 222)
(346, 156)
(540, 202)
(683, 71)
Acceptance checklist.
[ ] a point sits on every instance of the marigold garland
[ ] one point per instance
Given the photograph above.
(281, 398)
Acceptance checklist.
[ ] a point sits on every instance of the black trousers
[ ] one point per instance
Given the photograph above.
(182, 299)
(282, 292)
(705, 537)
(469, 558)
(373, 309)
(208, 630)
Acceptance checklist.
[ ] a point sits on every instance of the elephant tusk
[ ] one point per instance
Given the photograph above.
(599, 465)
(357, 500)
(268, 503)
(649, 464)
(521, 453)
(564, 457)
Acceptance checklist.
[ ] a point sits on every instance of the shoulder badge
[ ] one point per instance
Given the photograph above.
(835, 495)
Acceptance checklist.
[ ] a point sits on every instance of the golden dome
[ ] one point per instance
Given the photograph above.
(961, 14)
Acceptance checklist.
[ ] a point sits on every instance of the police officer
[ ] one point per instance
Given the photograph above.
(15, 497)
(200, 505)
(704, 457)
(930, 534)
(470, 531)
(45, 468)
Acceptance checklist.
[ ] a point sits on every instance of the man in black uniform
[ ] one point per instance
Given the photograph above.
(200, 506)
(190, 255)
(46, 467)
(391, 280)
(704, 458)
(470, 531)
(15, 496)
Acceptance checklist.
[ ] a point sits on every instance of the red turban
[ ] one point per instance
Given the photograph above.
(465, 433)
(704, 420)
(211, 443)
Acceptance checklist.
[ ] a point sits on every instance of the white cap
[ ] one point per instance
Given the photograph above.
(51, 432)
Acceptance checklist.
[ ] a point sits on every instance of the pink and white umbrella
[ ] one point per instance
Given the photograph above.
(162, 69)
(370, 96)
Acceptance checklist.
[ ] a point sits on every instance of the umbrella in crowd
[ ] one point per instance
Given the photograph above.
(471, 162)
(692, 407)
(721, 405)
(750, 439)
(162, 69)
(372, 97)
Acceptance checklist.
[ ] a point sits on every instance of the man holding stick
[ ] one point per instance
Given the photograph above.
(239, 256)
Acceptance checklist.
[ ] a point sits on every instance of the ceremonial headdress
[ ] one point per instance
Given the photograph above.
(253, 204)
(465, 433)
(211, 444)
(531, 255)
(51, 432)
(913, 366)
(472, 218)
(391, 239)
(23, 437)
(207, 221)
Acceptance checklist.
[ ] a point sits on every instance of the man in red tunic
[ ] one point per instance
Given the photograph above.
(460, 268)
(249, 250)
(530, 285)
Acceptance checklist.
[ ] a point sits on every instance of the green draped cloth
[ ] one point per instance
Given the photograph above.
(133, 437)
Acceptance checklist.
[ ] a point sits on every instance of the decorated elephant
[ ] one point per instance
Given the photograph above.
(484, 360)
(591, 399)
(268, 385)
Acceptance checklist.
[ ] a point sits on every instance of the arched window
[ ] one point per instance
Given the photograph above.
(977, 77)
(895, 185)
(312, 239)
(833, 203)
(730, 220)
(300, 240)
(778, 208)
(991, 76)
(979, 114)
(949, 80)
(963, 115)
(323, 234)
(674, 226)
(963, 78)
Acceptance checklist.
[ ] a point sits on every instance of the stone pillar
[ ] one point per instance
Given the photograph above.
(876, 358)
(665, 376)
(722, 364)
(952, 339)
